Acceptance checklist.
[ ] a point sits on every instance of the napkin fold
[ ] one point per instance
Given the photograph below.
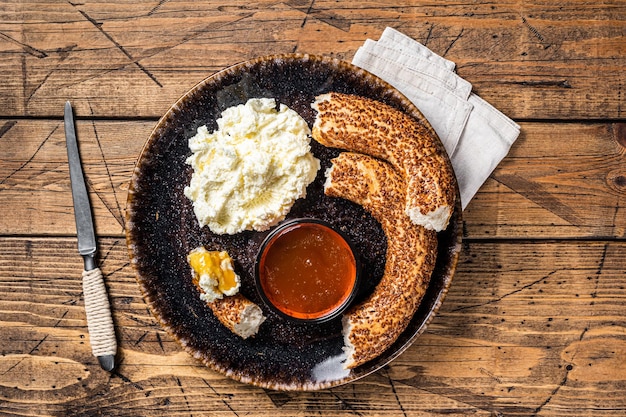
(475, 134)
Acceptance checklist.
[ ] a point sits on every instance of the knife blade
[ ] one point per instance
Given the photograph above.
(99, 319)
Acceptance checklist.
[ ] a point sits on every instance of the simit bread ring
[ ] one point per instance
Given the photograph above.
(370, 327)
(366, 126)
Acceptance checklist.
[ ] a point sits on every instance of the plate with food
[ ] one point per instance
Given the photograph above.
(294, 222)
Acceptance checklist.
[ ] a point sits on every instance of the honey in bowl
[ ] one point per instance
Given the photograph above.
(306, 270)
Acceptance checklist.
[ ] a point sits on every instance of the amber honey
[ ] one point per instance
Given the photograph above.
(307, 270)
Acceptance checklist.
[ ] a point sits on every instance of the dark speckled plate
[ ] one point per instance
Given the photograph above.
(162, 229)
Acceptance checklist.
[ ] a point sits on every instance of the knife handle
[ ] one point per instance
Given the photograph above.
(99, 320)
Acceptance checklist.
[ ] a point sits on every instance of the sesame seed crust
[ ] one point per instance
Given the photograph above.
(366, 126)
(372, 326)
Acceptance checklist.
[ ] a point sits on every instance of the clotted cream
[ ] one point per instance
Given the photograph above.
(248, 173)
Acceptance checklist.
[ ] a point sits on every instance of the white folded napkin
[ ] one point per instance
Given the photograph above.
(475, 134)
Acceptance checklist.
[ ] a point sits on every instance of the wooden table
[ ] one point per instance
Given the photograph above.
(535, 321)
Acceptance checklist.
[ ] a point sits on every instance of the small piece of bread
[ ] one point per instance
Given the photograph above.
(240, 315)
(372, 326)
(362, 125)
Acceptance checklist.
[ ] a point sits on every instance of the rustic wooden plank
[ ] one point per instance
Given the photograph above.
(34, 176)
(560, 180)
(527, 328)
(135, 58)
(563, 180)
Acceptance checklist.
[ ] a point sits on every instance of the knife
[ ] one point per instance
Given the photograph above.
(99, 320)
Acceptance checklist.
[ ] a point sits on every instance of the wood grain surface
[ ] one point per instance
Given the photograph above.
(535, 321)
(526, 327)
